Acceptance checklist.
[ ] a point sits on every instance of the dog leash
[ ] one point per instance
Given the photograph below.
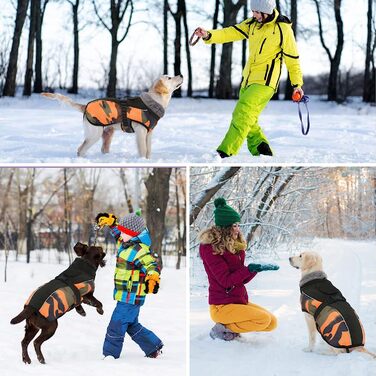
(304, 99)
(192, 41)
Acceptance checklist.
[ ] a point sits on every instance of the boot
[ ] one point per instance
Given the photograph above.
(155, 353)
(264, 149)
(221, 332)
(222, 154)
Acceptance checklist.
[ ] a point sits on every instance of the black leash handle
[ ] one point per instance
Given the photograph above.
(192, 41)
(305, 100)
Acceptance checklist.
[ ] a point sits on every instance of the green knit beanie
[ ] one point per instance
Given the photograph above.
(224, 215)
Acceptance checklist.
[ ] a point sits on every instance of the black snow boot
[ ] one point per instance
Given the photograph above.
(222, 154)
(264, 149)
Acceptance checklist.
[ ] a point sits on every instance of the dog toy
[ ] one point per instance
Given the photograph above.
(105, 219)
(298, 98)
(152, 283)
(262, 267)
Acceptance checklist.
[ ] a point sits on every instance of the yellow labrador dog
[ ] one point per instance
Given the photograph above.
(137, 115)
(326, 309)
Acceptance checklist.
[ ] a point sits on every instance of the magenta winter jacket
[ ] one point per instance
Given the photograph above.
(227, 275)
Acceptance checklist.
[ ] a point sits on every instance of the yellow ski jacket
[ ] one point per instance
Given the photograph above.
(269, 45)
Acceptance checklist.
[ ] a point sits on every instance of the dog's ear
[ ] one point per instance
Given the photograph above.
(311, 260)
(160, 87)
(80, 249)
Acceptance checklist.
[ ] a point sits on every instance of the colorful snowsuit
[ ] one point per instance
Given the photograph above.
(336, 320)
(228, 296)
(269, 45)
(65, 292)
(108, 111)
(134, 262)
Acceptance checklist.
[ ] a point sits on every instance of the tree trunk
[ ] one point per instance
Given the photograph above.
(30, 48)
(180, 240)
(76, 48)
(165, 36)
(157, 185)
(213, 52)
(111, 88)
(189, 62)
(224, 85)
(367, 88)
(10, 81)
(177, 43)
(244, 42)
(38, 84)
(294, 19)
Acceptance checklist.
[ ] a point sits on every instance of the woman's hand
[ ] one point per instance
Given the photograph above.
(297, 94)
(201, 33)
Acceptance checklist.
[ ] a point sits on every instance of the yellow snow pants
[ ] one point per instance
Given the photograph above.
(243, 318)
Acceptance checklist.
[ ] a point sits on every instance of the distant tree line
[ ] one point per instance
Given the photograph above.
(172, 17)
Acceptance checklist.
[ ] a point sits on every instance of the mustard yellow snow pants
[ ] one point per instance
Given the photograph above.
(244, 122)
(242, 318)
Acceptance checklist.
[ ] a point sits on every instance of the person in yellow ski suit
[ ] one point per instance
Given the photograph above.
(271, 42)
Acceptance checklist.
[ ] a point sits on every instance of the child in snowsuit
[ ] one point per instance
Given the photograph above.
(136, 275)
(271, 41)
(222, 251)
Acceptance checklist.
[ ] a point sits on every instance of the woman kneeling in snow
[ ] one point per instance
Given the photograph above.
(222, 250)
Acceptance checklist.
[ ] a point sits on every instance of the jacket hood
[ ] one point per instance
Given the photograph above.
(143, 237)
(207, 236)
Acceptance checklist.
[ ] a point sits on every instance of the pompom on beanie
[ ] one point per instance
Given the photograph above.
(224, 215)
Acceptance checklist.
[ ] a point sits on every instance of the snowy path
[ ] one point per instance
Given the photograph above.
(38, 130)
(76, 347)
(280, 352)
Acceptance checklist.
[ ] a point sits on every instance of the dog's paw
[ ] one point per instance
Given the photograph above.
(100, 310)
(308, 349)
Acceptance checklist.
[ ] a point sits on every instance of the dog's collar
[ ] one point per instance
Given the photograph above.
(311, 276)
(153, 105)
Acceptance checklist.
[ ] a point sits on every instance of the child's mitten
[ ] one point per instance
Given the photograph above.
(262, 267)
(105, 219)
(152, 283)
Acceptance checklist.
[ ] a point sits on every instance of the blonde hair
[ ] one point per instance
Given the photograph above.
(221, 239)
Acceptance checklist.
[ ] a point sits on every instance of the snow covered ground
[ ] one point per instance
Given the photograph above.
(350, 265)
(76, 347)
(37, 130)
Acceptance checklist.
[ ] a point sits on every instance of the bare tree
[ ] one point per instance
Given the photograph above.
(34, 6)
(224, 84)
(188, 51)
(294, 20)
(118, 11)
(213, 52)
(335, 59)
(165, 36)
(220, 179)
(38, 84)
(157, 185)
(368, 88)
(10, 81)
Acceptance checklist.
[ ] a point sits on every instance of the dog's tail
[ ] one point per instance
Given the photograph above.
(66, 100)
(25, 314)
(364, 350)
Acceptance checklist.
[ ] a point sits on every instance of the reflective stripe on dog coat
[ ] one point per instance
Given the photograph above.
(335, 319)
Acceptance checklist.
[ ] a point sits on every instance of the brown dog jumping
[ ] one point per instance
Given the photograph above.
(52, 300)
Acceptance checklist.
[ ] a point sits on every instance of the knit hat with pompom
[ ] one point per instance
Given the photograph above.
(224, 215)
(132, 224)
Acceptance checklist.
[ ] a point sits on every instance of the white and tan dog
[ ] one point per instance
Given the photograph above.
(159, 94)
(326, 310)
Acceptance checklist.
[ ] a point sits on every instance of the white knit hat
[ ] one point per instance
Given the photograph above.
(263, 6)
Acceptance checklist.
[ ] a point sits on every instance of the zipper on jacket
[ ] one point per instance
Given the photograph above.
(262, 45)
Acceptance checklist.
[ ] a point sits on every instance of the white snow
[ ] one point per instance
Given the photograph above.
(76, 347)
(350, 265)
(38, 130)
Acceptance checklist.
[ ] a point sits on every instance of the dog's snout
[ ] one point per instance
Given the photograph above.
(290, 259)
(181, 76)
